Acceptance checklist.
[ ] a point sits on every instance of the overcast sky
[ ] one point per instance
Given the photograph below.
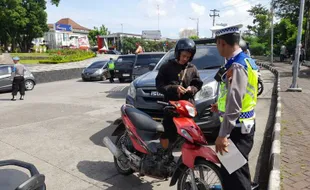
(138, 15)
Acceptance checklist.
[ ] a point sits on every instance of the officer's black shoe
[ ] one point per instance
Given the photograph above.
(21, 98)
(255, 186)
(13, 98)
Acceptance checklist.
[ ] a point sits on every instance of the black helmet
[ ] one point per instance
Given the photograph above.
(243, 45)
(185, 44)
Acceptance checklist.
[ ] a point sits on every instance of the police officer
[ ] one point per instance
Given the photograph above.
(236, 103)
(18, 79)
(111, 67)
(178, 79)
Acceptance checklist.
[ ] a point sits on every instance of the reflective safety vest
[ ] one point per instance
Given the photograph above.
(111, 65)
(250, 99)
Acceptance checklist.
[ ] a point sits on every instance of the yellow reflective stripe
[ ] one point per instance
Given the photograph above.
(250, 93)
(251, 87)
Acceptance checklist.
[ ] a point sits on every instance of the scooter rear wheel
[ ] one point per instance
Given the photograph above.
(121, 167)
(202, 184)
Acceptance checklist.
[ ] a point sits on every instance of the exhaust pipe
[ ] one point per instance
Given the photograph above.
(113, 149)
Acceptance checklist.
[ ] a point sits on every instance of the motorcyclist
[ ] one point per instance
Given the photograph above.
(178, 79)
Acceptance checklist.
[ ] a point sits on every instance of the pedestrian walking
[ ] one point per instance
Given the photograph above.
(111, 68)
(282, 53)
(18, 84)
(236, 103)
(139, 49)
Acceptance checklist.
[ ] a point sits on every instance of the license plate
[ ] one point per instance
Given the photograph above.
(155, 93)
(126, 75)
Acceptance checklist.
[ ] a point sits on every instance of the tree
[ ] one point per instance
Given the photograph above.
(290, 9)
(55, 2)
(285, 32)
(185, 33)
(22, 21)
(195, 37)
(92, 36)
(261, 22)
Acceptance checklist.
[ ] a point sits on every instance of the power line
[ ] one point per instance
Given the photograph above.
(214, 15)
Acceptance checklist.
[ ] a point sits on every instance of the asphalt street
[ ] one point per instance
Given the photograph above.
(59, 127)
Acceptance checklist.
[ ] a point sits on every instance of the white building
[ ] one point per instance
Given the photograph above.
(65, 33)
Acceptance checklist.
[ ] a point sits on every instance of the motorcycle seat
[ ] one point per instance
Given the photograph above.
(143, 121)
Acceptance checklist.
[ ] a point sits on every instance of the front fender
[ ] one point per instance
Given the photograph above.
(120, 127)
(191, 152)
(180, 167)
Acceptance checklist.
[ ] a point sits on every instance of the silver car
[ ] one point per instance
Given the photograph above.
(6, 80)
(96, 71)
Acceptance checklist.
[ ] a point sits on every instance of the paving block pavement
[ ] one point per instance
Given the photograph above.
(295, 132)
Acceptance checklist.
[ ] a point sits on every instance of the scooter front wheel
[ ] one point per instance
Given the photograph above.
(122, 168)
(260, 87)
(206, 176)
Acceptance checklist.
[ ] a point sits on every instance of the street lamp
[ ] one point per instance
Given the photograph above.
(197, 19)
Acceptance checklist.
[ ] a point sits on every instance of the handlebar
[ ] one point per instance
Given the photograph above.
(36, 182)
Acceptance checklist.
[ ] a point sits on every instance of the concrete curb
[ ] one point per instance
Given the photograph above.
(274, 159)
(57, 75)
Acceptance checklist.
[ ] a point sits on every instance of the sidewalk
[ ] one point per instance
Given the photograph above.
(295, 129)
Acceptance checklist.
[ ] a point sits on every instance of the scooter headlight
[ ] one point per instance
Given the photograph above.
(191, 111)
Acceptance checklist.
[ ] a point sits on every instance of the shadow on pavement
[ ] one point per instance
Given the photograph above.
(117, 92)
(5, 99)
(107, 131)
(97, 170)
(303, 73)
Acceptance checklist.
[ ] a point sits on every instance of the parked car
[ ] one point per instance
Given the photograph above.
(123, 67)
(6, 82)
(143, 95)
(96, 71)
(144, 61)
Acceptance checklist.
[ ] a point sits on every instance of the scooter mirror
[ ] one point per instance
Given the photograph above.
(36, 182)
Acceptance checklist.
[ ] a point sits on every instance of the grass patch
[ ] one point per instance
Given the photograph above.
(283, 121)
(54, 56)
(68, 55)
(29, 61)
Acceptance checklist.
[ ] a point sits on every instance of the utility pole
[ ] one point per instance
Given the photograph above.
(307, 33)
(158, 16)
(214, 15)
(271, 51)
(122, 28)
(294, 86)
(197, 19)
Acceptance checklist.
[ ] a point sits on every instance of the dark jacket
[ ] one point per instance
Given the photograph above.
(169, 78)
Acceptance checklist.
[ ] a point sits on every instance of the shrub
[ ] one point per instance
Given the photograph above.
(68, 55)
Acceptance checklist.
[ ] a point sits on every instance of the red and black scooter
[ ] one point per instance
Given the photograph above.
(138, 149)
